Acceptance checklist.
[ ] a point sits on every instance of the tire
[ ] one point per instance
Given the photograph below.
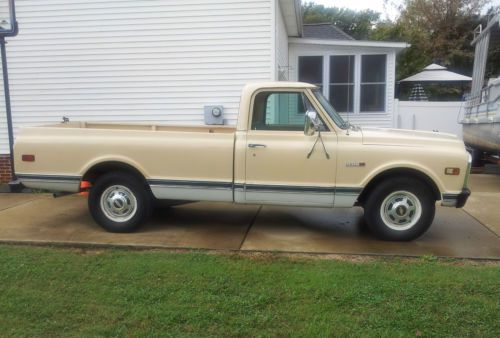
(119, 202)
(400, 209)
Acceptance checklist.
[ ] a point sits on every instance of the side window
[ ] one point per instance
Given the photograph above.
(279, 111)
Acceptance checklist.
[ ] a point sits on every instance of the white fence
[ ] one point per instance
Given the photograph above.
(421, 115)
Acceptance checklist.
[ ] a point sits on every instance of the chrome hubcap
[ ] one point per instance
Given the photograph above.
(118, 203)
(401, 210)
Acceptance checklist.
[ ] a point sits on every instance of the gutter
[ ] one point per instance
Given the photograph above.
(298, 16)
(350, 43)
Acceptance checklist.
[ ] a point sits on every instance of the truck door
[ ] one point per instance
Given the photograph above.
(280, 167)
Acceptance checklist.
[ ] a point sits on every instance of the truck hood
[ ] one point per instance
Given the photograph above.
(410, 138)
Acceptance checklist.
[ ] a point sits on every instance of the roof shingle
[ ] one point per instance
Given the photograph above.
(324, 31)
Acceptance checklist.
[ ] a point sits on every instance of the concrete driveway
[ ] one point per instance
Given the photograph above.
(469, 233)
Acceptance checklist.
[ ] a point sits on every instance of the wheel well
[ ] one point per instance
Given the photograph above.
(405, 172)
(106, 167)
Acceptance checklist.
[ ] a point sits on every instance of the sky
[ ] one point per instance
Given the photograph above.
(387, 8)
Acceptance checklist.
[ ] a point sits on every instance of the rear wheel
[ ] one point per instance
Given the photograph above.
(119, 202)
(400, 209)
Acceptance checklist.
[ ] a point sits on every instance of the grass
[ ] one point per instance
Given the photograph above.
(69, 292)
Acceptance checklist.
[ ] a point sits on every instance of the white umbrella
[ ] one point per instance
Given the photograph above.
(436, 73)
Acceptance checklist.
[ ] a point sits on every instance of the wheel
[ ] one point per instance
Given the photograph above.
(400, 209)
(119, 202)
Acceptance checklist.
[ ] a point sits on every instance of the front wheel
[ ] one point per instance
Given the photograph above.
(119, 202)
(400, 209)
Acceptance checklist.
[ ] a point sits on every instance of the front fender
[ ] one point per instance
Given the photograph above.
(405, 165)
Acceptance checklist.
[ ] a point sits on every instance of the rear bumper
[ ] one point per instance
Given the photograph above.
(456, 200)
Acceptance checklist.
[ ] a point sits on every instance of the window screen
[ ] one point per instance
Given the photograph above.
(342, 82)
(311, 70)
(278, 111)
(373, 82)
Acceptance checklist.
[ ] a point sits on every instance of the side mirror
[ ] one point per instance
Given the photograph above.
(312, 123)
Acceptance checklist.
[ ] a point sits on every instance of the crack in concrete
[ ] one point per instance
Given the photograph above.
(35, 198)
(249, 227)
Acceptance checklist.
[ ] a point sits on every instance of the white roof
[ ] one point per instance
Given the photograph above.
(436, 73)
(434, 66)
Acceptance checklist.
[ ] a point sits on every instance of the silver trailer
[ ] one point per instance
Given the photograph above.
(481, 121)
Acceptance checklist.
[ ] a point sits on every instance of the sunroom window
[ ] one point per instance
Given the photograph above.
(342, 82)
(311, 70)
(373, 82)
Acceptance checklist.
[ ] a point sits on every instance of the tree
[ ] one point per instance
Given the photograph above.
(357, 24)
(439, 31)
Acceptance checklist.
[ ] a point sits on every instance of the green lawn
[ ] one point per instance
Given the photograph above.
(70, 292)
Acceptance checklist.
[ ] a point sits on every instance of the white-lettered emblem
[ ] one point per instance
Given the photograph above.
(355, 164)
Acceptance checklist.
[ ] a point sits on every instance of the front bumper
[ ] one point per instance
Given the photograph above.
(462, 197)
(456, 200)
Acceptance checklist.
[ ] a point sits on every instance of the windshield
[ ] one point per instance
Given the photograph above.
(339, 121)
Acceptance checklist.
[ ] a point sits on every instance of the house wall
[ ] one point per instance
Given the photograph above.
(282, 67)
(374, 119)
(144, 61)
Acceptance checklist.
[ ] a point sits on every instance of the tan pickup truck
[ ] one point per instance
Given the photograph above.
(289, 147)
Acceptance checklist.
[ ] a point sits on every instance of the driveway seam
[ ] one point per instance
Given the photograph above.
(249, 227)
(22, 203)
(480, 222)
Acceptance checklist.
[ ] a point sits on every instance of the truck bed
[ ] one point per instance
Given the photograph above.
(164, 155)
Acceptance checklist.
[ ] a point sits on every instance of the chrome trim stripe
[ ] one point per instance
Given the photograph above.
(255, 187)
(467, 174)
(289, 188)
(51, 178)
(348, 191)
(191, 184)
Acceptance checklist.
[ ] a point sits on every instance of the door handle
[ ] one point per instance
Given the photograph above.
(255, 145)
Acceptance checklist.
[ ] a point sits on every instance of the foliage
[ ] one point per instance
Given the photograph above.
(439, 31)
(357, 24)
(47, 292)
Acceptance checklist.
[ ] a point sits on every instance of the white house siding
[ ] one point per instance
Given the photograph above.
(281, 46)
(128, 60)
(384, 119)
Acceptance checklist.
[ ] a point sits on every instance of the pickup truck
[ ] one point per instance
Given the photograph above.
(289, 147)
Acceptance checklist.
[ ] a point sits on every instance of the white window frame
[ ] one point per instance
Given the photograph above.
(368, 83)
(355, 81)
(357, 76)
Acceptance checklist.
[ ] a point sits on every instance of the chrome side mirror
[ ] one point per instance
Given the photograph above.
(312, 124)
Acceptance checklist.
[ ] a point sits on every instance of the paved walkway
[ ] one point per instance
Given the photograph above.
(39, 218)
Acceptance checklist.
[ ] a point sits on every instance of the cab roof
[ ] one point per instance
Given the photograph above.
(277, 84)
